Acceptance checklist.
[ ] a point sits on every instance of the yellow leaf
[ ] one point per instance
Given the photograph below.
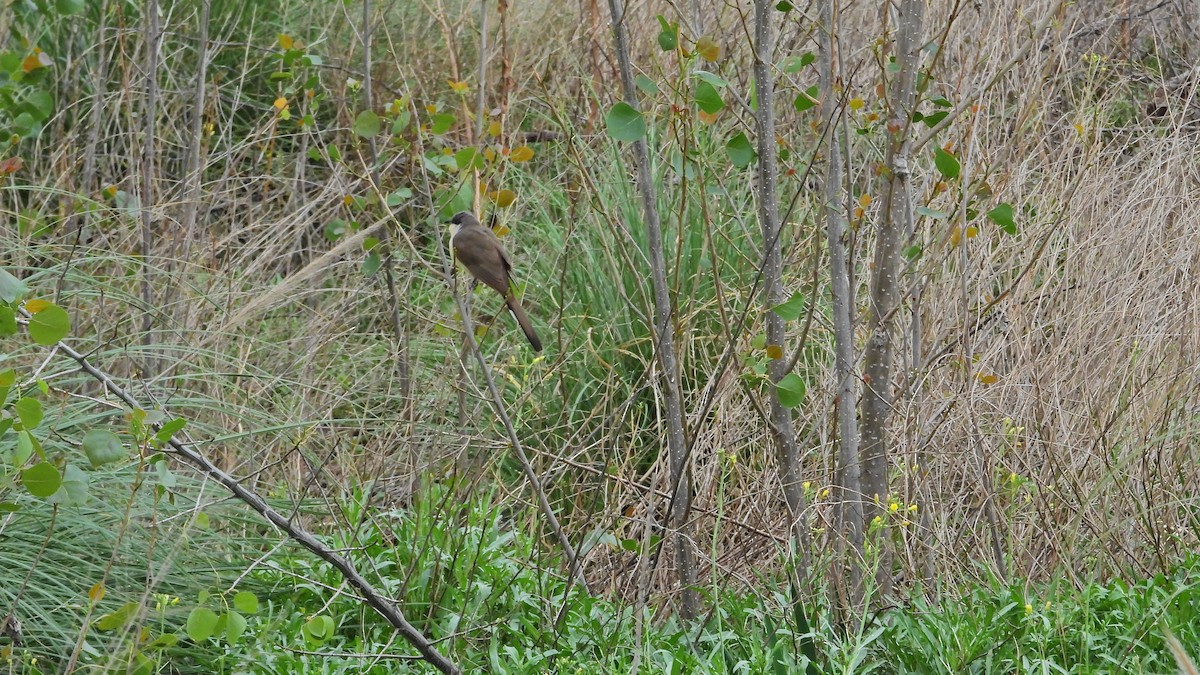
(286, 41)
(707, 118)
(459, 87)
(280, 103)
(37, 305)
(856, 103)
(494, 128)
(489, 154)
(522, 154)
(1079, 128)
(505, 198)
(972, 231)
(109, 192)
(96, 592)
(500, 229)
(864, 200)
(955, 236)
(31, 63)
(987, 378)
(774, 352)
(431, 109)
(708, 49)
(348, 200)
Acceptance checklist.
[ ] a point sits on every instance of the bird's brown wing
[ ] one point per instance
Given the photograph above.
(481, 252)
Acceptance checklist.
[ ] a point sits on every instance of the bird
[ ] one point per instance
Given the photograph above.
(480, 251)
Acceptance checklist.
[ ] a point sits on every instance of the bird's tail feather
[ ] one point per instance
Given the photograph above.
(523, 319)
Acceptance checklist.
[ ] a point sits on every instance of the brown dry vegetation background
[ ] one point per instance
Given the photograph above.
(1056, 382)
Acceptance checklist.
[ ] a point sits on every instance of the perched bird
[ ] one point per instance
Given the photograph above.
(480, 250)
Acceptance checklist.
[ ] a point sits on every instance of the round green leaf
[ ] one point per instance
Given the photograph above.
(103, 447)
(791, 390)
(235, 625)
(625, 123)
(708, 99)
(741, 153)
(367, 124)
(29, 411)
(201, 624)
(49, 325)
(74, 488)
(807, 99)
(245, 601)
(668, 37)
(42, 479)
(69, 6)
(792, 308)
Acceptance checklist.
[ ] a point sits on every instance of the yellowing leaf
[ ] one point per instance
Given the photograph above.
(280, 103)
(522, 154)
(96, 592)
(348, 200)
(774, 352)
(35, 306)
(501, 230)
(856, 103)
(286, 41)
(707, 118)
(708, 49)
(864, 200)
(505, 198)
(494, 128)
(31, 63)
(988, 378)
(460, 87)
(972, 231)
(1079, 128)
(489, 154)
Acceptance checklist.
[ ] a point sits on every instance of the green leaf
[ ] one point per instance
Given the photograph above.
(367, 124)
(41, 480)
(913, 252)
(741, 152)
(42, 102)
(401, 123)
(117, 619)
(791, 390)
(103, 447)
(11, 288)
(399, 196)
(784, 6)
(26, 445)
(201, 624)
(468, 158)
(714, 80)
(49, 325)
(371, 264)
(792, 308)
(29, 411)
(668, 37)
(235, 625)
(246, 601)
(1002, 215)
(645, 84)
(947, 164)
(74, 489)
(9, 507)
(931, 120)
(794, 64)
(168, 429)
(319, 627)
(8, 321)
(807, 99)
(165, 477)
(625, 123)
(708, 99)
(441, 123)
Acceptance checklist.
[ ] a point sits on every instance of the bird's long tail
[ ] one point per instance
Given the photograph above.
(523, 319)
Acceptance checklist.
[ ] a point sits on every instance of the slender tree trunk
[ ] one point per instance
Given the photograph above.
(663, 338)
(149, 147)
(782, 430)
(895, 216)
(849, 484)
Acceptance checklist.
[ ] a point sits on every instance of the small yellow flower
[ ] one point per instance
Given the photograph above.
(808, 485)
(912, 507)
(893, 507)
(1028, 608)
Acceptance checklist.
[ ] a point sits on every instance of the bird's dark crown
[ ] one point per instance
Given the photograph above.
(462, 217)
